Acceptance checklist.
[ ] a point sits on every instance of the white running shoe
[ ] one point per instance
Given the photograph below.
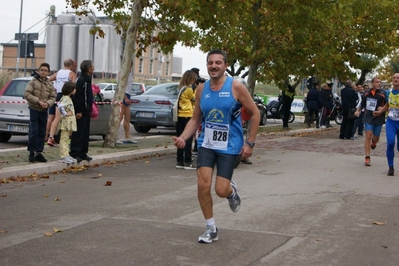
(209, 236)
(235, 201)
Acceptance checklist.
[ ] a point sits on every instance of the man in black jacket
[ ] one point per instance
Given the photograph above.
(288, 94)
(349, 101)
(82, 101)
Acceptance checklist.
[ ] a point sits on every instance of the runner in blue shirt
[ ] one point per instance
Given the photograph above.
(218, 105)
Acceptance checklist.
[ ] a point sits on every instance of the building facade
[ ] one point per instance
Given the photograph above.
(68, 36)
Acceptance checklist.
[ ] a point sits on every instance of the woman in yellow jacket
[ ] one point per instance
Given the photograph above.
(185, 112)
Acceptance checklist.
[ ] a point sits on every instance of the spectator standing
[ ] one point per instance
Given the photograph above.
(40, 95)
(68, 73)
(125, 110)
(185, 111)
(198, 80)
(373, 103)
(67, 123)
(313, 104)
(327, 100)
(218, 105)
(392, 126)
(288, 94)
(349, 100)
(358, 125)
(82, 101)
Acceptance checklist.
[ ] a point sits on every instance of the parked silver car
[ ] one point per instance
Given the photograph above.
(14, 112)
(108, 89)
(153, 107)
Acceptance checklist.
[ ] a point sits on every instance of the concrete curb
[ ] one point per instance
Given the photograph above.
(54, 166)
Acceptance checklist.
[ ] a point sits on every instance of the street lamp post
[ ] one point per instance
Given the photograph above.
(19, 41)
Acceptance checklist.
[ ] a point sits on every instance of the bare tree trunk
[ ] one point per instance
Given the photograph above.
(253, 67)
(252, 72)
(113, 122)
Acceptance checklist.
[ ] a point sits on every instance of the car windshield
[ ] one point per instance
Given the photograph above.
(166, 89)
(102, 85)
(136, 87)
(16, 88)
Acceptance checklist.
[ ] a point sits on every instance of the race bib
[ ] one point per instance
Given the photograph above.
(216, 136)
(393, 114)
(371, 104)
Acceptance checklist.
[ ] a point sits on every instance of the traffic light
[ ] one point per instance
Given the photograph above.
(30, 50)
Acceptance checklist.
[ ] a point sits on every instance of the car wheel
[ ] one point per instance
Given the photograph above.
(263, 119)
(292, 117)
(142, 129)
(4, 136)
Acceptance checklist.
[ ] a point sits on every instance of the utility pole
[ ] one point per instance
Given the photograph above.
(19, 41)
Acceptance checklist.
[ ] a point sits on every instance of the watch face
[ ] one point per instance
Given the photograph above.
(251, 144)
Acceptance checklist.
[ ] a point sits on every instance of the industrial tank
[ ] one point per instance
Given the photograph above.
(53, 46)
(85, 44)
(65, 18)
(114, 52)
(69, 41)
(101, 48)
(89, 19)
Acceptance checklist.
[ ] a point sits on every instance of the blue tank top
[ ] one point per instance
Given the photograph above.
(221, 120)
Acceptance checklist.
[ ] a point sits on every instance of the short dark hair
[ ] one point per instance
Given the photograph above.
(68, 88)
(45, 65)
(217, 51)
(68, 62)
(196, 70)
(85, 65)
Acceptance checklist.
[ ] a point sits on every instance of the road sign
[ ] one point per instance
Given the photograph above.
(20, 36)
(26, 36)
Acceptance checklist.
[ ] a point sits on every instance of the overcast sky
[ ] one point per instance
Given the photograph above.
(34, 13)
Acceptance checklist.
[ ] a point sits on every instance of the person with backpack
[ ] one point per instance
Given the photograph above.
(185, 110)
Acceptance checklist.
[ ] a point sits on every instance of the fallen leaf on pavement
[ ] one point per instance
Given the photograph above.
(3, 195)
(147, 161)
(56, 199)
(45, 195)
(3, 231)
(48, 234)
(108, 183)
(57, 230)
(380, 223)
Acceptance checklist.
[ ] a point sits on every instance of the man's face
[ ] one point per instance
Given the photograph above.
(91, 70)
(376, 83)
(395, 79)
(74, 66)
(216, 66)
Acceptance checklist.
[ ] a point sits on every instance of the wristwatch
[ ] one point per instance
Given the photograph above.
(250, 144)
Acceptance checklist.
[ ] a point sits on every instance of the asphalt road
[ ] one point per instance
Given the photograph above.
(306, 200)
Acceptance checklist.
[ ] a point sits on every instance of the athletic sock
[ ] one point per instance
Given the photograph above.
(211, 223)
